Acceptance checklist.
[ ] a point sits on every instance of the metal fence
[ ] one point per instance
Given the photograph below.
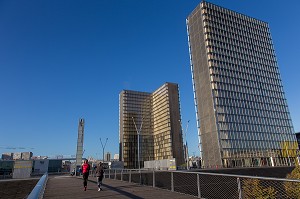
(38, 190)
(211, 185)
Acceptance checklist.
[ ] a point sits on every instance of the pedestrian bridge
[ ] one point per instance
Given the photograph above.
(167, 184)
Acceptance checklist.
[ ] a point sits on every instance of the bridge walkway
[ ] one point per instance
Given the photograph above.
(72, 187)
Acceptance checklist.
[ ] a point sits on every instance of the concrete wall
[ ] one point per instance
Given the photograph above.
(167, 164)
(22, 169)
(41, 166)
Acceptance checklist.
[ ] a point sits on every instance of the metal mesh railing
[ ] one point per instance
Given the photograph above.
(212, 185)
(185, 183)
(163, 180)
(147, 178)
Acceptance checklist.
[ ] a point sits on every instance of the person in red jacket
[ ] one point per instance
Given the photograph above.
(85, 168)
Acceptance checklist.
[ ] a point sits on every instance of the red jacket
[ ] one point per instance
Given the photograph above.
(85, 168)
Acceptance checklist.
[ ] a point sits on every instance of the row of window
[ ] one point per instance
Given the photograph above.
(254, 126)
(228, 15)
(250, 153)
(217, 53)
(267, 117)
(210, 21)
(243, 57)
(260, 89)
(243, 135)
(235, 35)
(231, 52)
(243, 63)
(258, 112)
(251, 145)
(235, 38)
(245, 122)
(270, 97)
(243, 75)
(247, 68)
(254, 56)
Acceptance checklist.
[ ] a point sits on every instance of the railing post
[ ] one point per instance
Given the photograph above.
(172, 182)
(198, 185)
(109, 173)
(122, 175)
(239, 188)
(140, 176)
(129, 175)
(153, 178)
(115, 174)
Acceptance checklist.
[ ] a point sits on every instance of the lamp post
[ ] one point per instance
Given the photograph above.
(138, 131)
(186, 145)
(103, 147)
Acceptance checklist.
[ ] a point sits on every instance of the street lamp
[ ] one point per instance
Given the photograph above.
(138, 131)
(186, 145)
(103, 147)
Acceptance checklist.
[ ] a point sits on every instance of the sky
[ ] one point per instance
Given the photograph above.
(65, 60)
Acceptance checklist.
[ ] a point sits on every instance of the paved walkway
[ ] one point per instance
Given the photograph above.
(72, 187)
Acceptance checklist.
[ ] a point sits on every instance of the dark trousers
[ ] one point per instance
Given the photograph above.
(99, 181)
(85, 178)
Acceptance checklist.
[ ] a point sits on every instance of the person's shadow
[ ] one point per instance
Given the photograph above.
(125, 193)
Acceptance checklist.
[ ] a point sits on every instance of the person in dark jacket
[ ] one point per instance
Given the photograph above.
(99, 175)
(85, 168)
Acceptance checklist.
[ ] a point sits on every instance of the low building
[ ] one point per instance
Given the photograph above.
(17, 156)
(40, 166)
(7, 156)
(26, 155)
(116, 157)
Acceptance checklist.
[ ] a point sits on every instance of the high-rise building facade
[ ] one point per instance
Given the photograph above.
(242, 113)
(150, 126)
(135, 111)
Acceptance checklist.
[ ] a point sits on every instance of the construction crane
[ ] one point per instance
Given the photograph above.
(15, 147)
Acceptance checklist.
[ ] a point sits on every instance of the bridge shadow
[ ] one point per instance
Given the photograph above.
(120, 191)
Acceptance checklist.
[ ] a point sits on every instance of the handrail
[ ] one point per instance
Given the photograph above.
(217, 174)
(38, 190)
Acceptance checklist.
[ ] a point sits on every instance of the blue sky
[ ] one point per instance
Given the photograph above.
(63, 60)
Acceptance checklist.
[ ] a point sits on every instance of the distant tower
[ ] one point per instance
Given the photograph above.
(107, 157)
(79, 151)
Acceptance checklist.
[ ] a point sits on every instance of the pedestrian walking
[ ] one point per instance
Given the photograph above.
(99, 175)
(85, 168)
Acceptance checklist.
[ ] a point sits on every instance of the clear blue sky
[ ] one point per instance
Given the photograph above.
(63, 60)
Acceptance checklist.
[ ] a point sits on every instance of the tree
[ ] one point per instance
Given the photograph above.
(293, 188)
(252, 189)
(289, 149)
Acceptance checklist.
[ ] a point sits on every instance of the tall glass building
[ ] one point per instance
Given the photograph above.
(156, 116)
(242, 113)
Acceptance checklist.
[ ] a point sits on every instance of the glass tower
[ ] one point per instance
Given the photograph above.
(242, 113)
(156, 116)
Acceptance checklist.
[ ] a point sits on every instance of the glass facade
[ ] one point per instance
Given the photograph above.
(242, 113)
(157, 114)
